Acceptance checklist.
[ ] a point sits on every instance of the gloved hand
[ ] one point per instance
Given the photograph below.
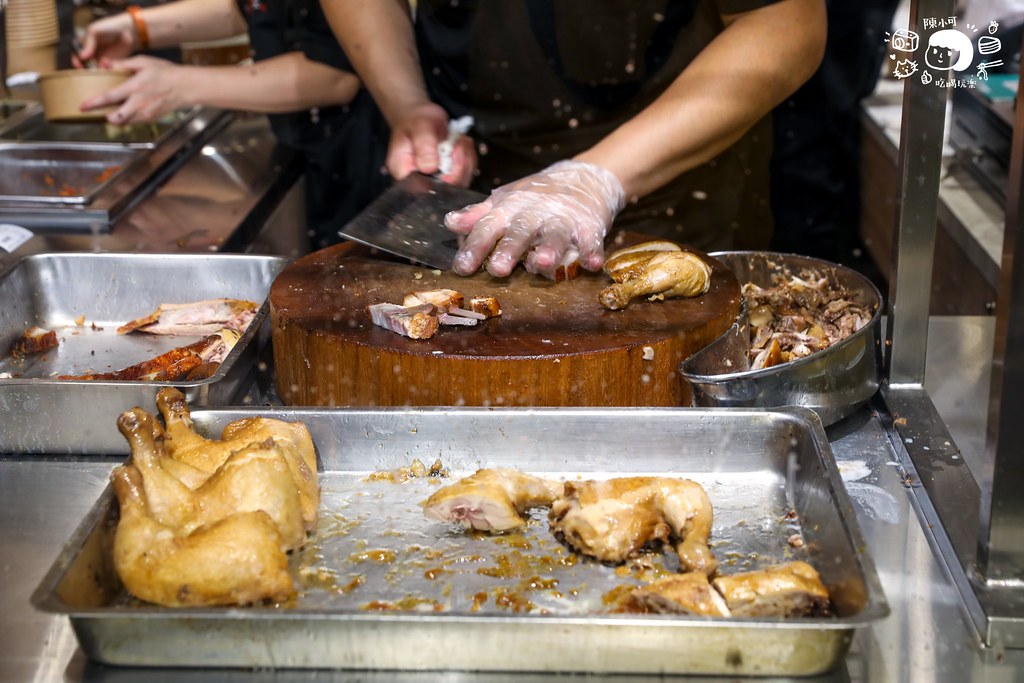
(548, 217)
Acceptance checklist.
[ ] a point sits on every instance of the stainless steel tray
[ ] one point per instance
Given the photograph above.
(756, 465)
(54, 291)
(58, 173)
(35, 128)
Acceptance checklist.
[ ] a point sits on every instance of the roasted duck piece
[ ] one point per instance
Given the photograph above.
(688, 593)
(236, 560)
(192, 361)
(657, 272)
(199, 317)
(785, 590)
(491, 499)
(611, 520)
(33, 340)
(798, 314)
(415, 322)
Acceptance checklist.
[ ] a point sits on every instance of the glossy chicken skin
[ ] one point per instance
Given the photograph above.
(236, 560)
(254, 478)
(688, 593)
(190, 450)
(666, 273)
(790, 589)
(611, 520)
(491, 499)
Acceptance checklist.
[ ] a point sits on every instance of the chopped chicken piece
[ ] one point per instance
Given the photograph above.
(415, 322)
(491, 499)
(688, 593)
(444, 299)
(486, 306)
(175, 364)
(785, 590)
(666, 274)
(199, 317)
(206, 456)
(236, 560)
(628, 262)
(33, 340)
(611, 520)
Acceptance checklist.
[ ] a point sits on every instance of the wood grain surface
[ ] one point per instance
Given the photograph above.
(553, 345)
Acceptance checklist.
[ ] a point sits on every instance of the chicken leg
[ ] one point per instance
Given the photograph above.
(669, 273)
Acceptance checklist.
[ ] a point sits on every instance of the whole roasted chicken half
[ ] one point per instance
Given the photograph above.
(209, 522)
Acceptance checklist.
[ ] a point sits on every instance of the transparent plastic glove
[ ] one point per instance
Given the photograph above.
(546, 218)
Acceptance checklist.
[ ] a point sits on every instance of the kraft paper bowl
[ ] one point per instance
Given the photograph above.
(62, 92)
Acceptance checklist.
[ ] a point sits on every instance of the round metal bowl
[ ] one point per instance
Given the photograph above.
(833, 382)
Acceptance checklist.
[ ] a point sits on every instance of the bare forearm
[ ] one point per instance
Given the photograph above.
(755, 63)
(192, 20)
(286, 83)
(377, 36)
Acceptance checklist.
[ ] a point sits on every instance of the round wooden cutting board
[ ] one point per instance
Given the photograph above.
(553, 345)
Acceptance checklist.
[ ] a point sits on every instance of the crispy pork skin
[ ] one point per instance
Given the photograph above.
(33, 340)
(491, 499)
(611, 520)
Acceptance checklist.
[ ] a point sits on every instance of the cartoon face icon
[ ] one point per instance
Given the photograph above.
(943, 45)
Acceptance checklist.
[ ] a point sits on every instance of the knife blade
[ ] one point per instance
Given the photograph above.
(407, 220)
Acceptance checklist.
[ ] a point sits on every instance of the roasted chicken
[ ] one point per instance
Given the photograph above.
(785, 590)
(491, 499)
(611, 520)
(196, 318)
(688, 593)
(207, 522)
(655, 270)
(236, 560)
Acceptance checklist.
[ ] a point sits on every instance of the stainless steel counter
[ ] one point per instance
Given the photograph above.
(216, 200)
(925, 638)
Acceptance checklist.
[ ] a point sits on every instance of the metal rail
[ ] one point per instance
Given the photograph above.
(977, 533)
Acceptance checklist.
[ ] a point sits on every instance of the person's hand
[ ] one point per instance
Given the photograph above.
(107, 39)
(550, 217)
(414, 141)
(157, 87)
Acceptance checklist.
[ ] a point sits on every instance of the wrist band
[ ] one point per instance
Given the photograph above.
(141, 31)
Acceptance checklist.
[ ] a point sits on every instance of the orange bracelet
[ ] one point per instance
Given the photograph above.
(141, 31)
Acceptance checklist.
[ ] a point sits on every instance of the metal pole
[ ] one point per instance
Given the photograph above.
(1001, 547)
(920, 165)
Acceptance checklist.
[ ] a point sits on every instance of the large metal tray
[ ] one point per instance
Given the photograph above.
(56, 291)
(756, 465)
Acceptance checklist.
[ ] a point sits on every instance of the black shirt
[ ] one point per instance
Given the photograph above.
(343, 148)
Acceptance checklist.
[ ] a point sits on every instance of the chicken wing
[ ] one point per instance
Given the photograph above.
(491, 499)
(237, 560)
(611, 520)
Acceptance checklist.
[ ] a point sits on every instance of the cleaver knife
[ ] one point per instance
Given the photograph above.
(407, 220)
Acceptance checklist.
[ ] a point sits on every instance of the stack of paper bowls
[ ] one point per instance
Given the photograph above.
(32, 35)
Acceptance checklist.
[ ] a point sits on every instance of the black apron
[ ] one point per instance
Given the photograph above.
(546, 80)
(343, 148)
